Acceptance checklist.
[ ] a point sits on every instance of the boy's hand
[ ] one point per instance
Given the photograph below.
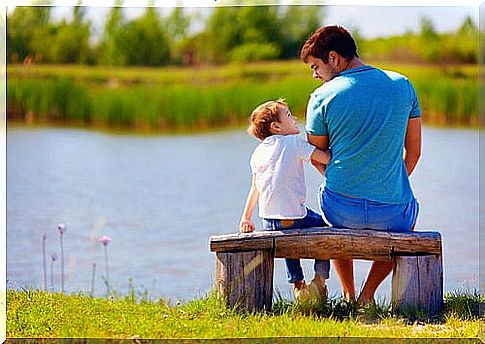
(246, 226)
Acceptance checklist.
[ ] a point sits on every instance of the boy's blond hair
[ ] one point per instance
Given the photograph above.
(262, 117)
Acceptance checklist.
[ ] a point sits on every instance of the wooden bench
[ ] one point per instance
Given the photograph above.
(245, 262)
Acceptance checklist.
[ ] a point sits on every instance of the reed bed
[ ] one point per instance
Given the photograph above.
(187, 99)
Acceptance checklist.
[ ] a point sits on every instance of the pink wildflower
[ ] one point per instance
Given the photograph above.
(105, 240)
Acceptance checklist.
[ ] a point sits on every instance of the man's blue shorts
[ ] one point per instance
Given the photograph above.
(348, 212)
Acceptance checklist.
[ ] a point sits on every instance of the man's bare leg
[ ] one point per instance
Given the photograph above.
(345, 272)
(378, 272)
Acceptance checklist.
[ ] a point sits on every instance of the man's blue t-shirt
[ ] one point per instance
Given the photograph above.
(364, 111)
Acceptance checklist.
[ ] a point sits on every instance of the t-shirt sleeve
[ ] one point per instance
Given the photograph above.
(304, 149)
(315, 124)
(415, 109)
(252, 163)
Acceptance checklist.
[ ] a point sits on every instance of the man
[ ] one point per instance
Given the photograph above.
(370, 119)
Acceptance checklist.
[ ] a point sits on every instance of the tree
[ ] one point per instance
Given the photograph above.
(430, 49)
(299, 22)
(467, 38)
(468, 28)
(223, 32)
(428, 31)
(26, 25)
(147, 41)
(248, 32)
(178, 24)
(111, 49)
(70, 43)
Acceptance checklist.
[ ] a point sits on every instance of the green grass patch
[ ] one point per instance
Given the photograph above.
(165, 99)
(41, 314)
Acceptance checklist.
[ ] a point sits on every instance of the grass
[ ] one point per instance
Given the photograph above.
(188, 99)
(41, 314)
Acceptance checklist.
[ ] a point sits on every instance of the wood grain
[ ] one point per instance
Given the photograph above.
(334, 243)
(245, 279)
(417, 282)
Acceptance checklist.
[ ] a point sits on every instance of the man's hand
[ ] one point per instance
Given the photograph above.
(246, 226)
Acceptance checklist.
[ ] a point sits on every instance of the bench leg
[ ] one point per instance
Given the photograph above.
(245, 279)
(417, 282)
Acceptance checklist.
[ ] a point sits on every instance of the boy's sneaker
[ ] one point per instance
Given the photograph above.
(302, 294)
(317, 289)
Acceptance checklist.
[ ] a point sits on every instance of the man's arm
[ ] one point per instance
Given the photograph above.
(412, 144)
(321, 142)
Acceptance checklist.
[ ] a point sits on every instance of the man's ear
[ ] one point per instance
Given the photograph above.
(333, 57)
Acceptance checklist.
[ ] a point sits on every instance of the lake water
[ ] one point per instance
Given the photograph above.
(160, 198)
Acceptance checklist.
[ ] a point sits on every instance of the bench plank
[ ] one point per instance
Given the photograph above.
(334, 243)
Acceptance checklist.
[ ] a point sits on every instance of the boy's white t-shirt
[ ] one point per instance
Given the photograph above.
(280, 179)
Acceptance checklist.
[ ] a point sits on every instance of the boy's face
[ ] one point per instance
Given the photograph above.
(287, 124)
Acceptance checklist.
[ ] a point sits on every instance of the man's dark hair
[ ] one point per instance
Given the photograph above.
(326, 39)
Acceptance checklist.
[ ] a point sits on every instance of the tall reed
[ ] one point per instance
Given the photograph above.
(191, 98)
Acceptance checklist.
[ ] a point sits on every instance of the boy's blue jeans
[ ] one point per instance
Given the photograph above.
(293, 266)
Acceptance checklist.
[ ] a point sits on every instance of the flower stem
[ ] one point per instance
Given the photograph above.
(107, 267)
(62, 264)
(44, 264)
(92, 279)
(52, 275)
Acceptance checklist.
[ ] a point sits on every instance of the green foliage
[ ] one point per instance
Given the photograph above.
(252, 33)
(146, 41)
(70, 44)
(178, 24)
(32, 37)
(112, 49)
(25, 26)
(298, 23)
(239, 33)
(428, 32)
(428, 46)
(225, 34)
(254, 52)
(141, 41)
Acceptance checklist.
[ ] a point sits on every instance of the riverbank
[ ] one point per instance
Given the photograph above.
(204, 98)
(34, 314)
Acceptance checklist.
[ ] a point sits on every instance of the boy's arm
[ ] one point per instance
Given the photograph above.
(321, 142)
(320, 156)
(246, 226)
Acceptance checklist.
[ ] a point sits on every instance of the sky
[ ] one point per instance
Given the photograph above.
(373, 18)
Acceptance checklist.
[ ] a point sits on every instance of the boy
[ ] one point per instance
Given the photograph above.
(278, 185)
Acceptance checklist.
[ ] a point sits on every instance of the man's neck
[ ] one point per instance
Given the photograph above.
(354, 63)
